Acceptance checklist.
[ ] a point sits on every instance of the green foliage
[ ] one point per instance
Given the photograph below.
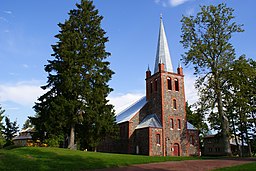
(207, 39)
(197, 118)
(240, 90)
(9, 131)
(27, 124)
(2, 140)
(54, 141)
(77, 81)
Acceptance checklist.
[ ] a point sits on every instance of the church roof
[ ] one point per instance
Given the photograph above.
(190, 126)
(150, 121)
(162, 53)
(129, 112)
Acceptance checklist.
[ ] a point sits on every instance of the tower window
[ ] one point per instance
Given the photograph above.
(176, 82)
(157, 138)
(179, 124)
(191, 140)
(169, 83)
(171, 123)
(155, 85)
(151, 87)
(174, 104)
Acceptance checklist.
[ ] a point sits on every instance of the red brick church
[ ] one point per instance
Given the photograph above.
(156, 125)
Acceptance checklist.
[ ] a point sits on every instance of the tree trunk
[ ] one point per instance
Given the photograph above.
(71, 143)
(237, 144)
(224, 121)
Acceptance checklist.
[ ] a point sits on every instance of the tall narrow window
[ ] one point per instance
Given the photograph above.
(158, 138)
(179, 124)
(191, 139)
(176, 82)
(174, 104)
(169, 83)
(155, 85)
(151, 87)
(171, 123)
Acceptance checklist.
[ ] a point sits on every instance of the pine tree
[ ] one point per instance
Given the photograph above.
(77, 79)
(9, 131)
(207, 38)
(1, 127)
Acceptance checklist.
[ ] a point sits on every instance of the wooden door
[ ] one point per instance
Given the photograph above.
(176, 150)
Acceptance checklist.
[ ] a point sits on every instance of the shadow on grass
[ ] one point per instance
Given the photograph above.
(35, 159)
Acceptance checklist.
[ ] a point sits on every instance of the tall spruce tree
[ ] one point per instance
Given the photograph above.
(207, 38)
(1, 127)
(9, 131)
(77, 80)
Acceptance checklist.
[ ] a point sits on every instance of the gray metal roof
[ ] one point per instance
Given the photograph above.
(150, 121)
(163, 54)
(129, 112)
(190, 126)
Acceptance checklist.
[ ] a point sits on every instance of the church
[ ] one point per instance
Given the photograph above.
(156, 125)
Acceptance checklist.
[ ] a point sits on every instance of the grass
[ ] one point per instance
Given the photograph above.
(36, 158)
(244, 167)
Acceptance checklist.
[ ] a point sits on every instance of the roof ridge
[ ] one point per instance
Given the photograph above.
(135, 102)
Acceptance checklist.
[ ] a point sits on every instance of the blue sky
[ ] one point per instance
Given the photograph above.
(27, 30)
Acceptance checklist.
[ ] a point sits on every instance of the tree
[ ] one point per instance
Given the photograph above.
(77, 80)
(207, 38)
(27, 124)
(1, 127)
(9, 131)
(238, 100)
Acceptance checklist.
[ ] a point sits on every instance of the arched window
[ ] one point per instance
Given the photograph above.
(171, 123)
(169, 83)
(174, 104)
(179, 124)
(155, 85)
(151, 87)
(176, 83)
(191, 139)
(157, 138)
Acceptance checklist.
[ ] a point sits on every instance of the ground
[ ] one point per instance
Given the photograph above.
(187, 165)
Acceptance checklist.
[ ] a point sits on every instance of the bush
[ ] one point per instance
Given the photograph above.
(54, 141)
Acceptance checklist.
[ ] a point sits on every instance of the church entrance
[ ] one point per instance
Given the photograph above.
(176, 150)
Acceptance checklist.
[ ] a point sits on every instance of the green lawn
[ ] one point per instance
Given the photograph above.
(36, 158)
(244, 167)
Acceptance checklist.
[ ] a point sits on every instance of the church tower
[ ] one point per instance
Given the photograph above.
(166, 98)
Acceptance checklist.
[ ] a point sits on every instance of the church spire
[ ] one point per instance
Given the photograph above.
(163, 54)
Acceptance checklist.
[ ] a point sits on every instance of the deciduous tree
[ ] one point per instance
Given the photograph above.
(207, 40)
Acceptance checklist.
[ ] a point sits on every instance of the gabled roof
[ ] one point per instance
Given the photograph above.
(129, 112)
(150, 121)
(162, 53)
(190, 126)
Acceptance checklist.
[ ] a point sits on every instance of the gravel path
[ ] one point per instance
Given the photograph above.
(187, 165)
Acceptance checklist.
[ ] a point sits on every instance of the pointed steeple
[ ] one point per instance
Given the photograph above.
(163, 54)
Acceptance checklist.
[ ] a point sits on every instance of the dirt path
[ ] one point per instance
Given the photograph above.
(189, 165)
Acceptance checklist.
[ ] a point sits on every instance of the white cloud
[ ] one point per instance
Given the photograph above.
(23, 93)
(3, 19)
(175, 3)
(190, 90)
(24, 65)
(157, 1)
(122, 101)
(8, 12)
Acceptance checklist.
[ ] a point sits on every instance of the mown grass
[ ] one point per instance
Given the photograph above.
(243, 167)
(36, 158)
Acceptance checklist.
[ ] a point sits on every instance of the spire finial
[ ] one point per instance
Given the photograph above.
(161, 16)
(148, 68)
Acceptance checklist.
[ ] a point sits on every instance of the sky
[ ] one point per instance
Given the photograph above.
(27, 30)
